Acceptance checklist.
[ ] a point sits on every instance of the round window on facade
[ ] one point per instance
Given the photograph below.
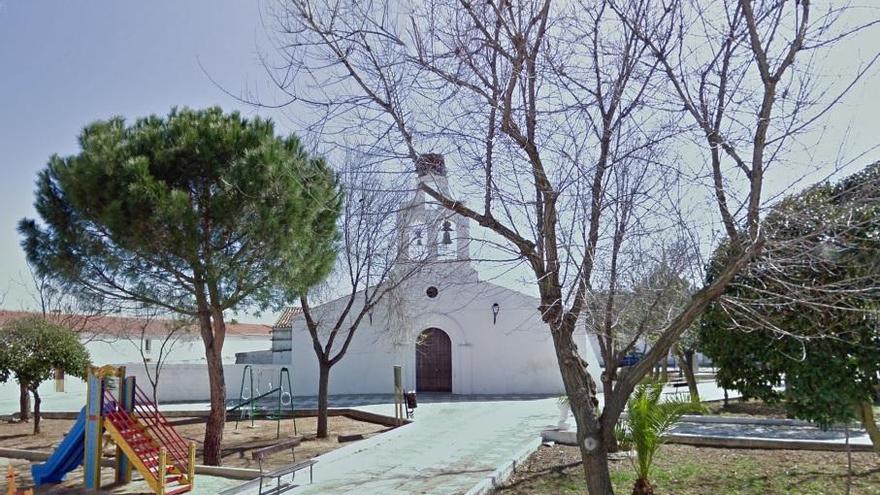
(431, 292)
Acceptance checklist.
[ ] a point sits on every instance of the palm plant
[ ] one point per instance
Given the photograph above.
(649, 417)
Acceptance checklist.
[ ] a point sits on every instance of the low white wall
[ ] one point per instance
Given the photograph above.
(105, 350)
(189, 382)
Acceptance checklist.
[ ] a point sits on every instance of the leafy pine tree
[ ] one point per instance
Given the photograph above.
(195, 213)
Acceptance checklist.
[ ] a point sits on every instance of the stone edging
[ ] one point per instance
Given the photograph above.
(742, 420)
(764, 443)
(494, 480)
(355, 414)
(569, 438)
(223, 472)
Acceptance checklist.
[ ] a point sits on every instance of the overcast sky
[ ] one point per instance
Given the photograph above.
(64, 64)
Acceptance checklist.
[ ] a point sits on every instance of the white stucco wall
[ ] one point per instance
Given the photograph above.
(513, 355)
(183, 382)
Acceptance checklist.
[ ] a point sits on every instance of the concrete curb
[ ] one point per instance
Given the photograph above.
(228, 472)
(491, 483)
(763, 443)
(220, 471)
(356, 414)
(564, 437)
(569, 438)
(742, 420)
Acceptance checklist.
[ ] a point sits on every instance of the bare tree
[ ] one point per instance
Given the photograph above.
(627, 314)
(369, 267)
(564, 119)
(142, 331)
(55, 303)
(59, 306)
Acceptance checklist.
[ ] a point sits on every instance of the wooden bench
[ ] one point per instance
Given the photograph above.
(260, 454)
(677, 386)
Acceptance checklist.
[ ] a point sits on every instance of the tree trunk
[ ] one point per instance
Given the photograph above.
(37, 401)
(323, 391)
(664, 369)
(596, 469)
(217, 416)
(213, 330)
(155, 385)
(686, 364)
(866, 414)
(642, 487)
(584, 403)
(607, 381)
(607, 387)
(24, 402)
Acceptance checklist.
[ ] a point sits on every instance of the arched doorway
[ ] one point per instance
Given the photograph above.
(434, 361)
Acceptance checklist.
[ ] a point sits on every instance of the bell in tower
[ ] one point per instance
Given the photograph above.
(447, 237)
(428, 231)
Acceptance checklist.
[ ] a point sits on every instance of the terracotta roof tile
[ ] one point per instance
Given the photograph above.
(287, 317)
(120, 325)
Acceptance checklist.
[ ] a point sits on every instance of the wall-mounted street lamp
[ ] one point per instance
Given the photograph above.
(496, 308)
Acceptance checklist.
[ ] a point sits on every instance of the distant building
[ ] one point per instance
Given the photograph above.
(117, 340)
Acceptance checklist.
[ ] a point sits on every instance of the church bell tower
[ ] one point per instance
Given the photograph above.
(429, 232)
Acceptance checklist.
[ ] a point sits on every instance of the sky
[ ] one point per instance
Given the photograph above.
(64, 64)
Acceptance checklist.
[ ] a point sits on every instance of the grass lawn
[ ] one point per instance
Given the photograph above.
(686, 470)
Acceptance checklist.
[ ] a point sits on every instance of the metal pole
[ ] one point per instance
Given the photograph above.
(286, 372)
(241, 391)
(163, 463)
(398, 393)
(191, 474)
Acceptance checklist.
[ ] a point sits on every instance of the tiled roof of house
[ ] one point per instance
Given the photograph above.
(120, 325)
(287, 317)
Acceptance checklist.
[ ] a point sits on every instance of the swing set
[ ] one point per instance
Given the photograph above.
(249, 398)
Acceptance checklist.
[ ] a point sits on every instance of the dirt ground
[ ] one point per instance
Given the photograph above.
(237, 442)
(686, 470)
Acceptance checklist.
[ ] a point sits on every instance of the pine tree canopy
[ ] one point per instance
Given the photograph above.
(199, 204)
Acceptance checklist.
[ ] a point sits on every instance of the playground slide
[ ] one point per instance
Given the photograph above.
(66, 457)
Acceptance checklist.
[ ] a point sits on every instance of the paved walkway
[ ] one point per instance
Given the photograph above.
(73, 485)
(448, 449)
(451, 448)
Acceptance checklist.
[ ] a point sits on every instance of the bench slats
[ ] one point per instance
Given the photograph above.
(279, 473)
(289, 469)
(260, 454)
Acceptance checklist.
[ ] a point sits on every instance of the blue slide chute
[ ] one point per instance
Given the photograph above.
(66, 457)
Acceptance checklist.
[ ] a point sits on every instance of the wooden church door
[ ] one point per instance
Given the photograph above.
(434, 361)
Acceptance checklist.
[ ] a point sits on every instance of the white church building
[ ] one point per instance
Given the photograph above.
(450, 331)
